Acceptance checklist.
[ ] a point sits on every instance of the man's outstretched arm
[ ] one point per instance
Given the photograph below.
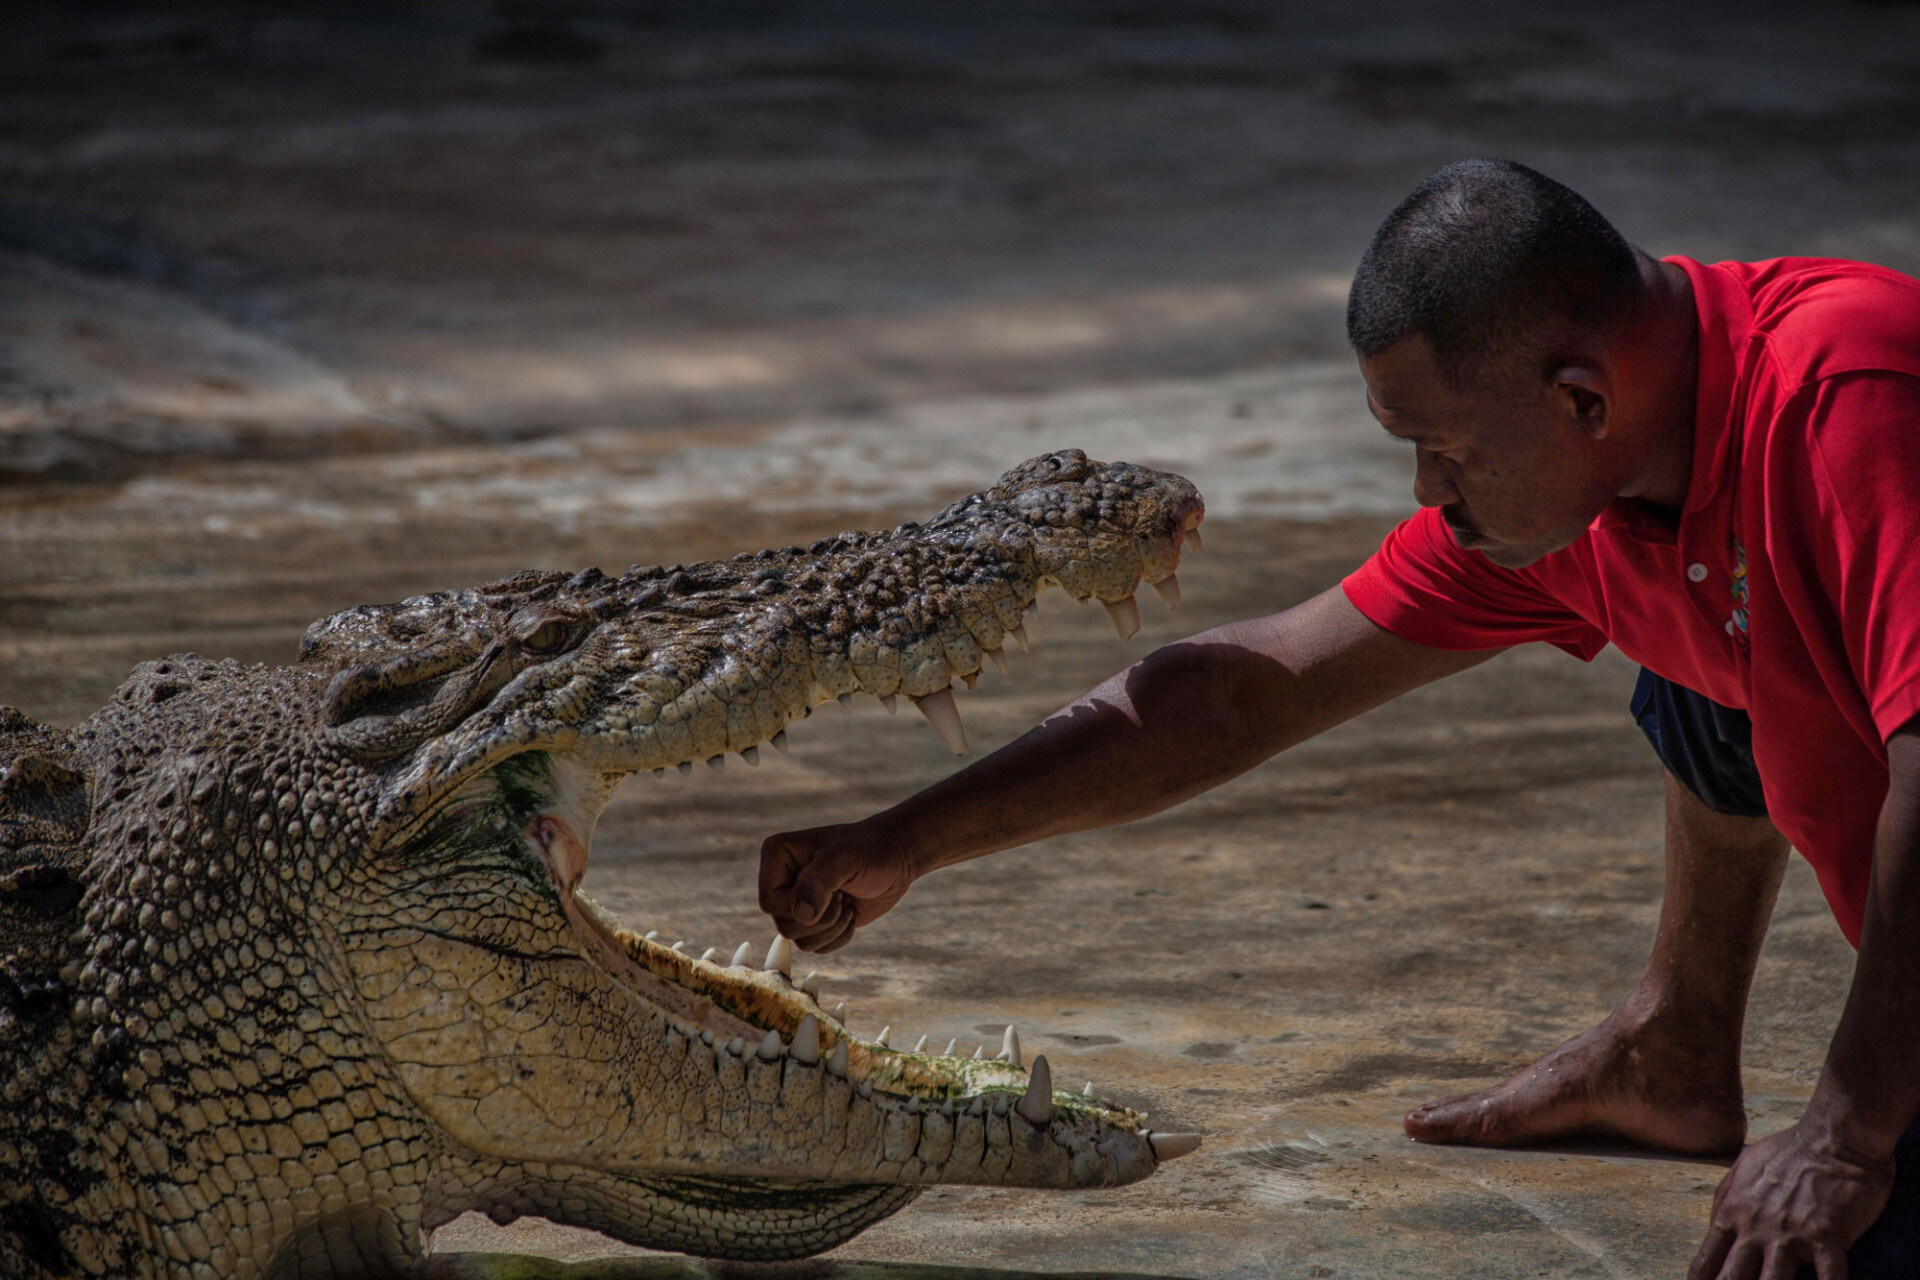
(1185, 718)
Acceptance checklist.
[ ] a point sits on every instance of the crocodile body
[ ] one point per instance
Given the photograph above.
(295, 967)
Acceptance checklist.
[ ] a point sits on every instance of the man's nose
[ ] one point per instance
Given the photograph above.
(1432, 487)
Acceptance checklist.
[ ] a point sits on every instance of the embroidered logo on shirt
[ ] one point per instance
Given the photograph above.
(1737, 623)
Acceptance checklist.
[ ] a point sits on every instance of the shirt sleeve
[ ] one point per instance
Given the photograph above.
(1865, 443)
(1422, 587)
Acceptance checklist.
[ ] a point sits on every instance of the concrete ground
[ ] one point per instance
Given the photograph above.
(303, 311)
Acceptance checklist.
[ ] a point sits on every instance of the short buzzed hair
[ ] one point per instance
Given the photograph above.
(1484, 255)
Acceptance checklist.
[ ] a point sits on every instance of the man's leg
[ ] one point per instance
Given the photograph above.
(1664, 1069)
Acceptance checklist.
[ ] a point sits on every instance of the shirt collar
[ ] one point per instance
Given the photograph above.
(1725, 324)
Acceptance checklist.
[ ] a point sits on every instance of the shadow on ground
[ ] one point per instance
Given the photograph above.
(515, 1266)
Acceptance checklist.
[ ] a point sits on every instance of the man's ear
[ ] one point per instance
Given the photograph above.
(1587, 393)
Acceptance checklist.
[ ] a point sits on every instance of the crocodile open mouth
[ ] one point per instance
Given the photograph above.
(742, 1011)
(725, 1065)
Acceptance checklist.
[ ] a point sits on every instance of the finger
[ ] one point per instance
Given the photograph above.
(778, 866)
(1829, 1263)
(824, 875)
(831, 933)
(1743, 1261)
(1783, 1260)
(839, 939)
(831, 922)
(1713, 1250)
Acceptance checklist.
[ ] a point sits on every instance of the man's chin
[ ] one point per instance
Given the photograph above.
(1509, 557)
(1515, 555)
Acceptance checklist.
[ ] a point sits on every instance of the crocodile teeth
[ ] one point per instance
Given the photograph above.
(1036, 1107)
(1033, 606)
(866, 1090)
(1194, 544)
(998, 659)
(840, 1013)
(770, 1047)
(706, 957)
(1010, 1046)
(944, 715)
(1019, 634)
(1171, 1146)
(1089, 1089)
(678, 946)
(740, 957)
(737, 1047)
(837, 1060)
(686, 767)
(652, 934)
(752, 756)
(1125, 615)
(806, 1040)
(977, 1051)
(1169, 589)
(661, 772)
(716, 763)
(948, 1052)
(780, 742)
(811, 985)
(881, 1039)
(780, 956)
(891, 701)
(846, 700)
(913, 1105)
(920, 1045)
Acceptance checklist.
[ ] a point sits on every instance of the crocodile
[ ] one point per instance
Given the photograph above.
(296, 966)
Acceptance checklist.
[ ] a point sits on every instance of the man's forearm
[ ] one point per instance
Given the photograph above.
(1869, 1091)
(1186, 718)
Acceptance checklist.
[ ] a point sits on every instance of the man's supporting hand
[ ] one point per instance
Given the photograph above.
(821, 884)
(1801, 1196)
(1808, 1194)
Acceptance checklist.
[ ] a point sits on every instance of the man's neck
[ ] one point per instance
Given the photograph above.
(1661, 353)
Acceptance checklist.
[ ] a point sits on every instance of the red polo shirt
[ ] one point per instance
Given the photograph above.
(1791, 587)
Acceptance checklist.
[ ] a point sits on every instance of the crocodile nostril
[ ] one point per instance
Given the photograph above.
(46, 891)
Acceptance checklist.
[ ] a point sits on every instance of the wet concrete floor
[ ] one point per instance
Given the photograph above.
(314, 310)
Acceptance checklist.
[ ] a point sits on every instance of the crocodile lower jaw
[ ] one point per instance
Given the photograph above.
(735, 1005)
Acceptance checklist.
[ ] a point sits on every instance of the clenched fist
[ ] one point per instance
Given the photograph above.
(822, 884)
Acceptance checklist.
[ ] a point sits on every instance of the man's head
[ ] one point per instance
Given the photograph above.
(1488, 315)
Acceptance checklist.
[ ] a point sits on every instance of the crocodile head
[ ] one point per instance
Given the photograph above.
(297, 964)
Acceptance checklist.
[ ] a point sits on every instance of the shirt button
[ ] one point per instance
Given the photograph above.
(1696, 573)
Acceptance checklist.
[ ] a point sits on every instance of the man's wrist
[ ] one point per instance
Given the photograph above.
(896, 831)
(1836, 1116)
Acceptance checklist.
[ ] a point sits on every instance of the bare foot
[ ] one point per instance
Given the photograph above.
(1645, 1080)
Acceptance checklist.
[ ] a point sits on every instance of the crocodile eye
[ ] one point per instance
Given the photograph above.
(548, 637)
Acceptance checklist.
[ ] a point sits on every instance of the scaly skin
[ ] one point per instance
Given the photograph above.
(294, 966)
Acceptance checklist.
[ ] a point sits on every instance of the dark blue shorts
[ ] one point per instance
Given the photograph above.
(1708, 749)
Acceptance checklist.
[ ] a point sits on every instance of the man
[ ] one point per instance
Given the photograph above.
(1716, 468)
